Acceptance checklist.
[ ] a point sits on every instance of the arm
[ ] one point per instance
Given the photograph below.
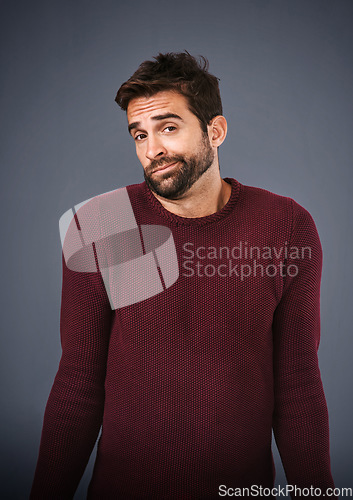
(300, 420)
(74, 410)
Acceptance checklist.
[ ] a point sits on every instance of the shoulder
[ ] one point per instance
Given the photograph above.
(274, 205)
(111, 203)
(93, 220)
(264, 199)
(120, 194)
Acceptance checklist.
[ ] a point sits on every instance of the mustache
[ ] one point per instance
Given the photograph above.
(166, 160)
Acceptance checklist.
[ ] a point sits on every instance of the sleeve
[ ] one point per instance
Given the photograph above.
(300, 419)
(74, 411)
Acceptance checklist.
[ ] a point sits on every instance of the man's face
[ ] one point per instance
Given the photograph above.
(170, 144)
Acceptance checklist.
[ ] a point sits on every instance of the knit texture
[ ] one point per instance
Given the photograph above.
(188, 384)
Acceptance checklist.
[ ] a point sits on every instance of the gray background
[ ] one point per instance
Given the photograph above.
(286, 82)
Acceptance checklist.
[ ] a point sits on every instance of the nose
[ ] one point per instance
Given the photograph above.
(155, 148)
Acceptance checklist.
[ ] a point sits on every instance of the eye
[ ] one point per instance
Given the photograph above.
(139, 137)
(170, 127)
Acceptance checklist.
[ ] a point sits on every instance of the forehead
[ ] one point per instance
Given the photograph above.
(162, 102)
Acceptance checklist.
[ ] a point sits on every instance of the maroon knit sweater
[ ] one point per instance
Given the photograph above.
(189, 383)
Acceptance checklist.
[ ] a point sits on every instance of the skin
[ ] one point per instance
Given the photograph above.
(162, 140)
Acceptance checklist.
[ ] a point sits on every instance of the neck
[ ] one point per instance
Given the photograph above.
(207, 196)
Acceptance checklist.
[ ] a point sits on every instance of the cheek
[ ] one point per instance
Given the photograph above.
(192, 142)
(181, 145)
(140, 155)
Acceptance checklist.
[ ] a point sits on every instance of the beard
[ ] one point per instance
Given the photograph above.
(174, 184)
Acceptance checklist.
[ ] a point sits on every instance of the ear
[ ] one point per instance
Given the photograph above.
(217, 130)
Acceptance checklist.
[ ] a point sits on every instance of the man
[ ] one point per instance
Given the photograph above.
(187, 378)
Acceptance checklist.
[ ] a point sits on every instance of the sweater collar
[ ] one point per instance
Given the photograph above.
(199, 221)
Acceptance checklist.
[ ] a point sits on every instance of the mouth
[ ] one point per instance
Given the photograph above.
(165, 168)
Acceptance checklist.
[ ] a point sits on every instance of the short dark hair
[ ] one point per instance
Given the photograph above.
(179, 72)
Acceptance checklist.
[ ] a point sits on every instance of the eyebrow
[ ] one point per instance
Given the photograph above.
(157, 118)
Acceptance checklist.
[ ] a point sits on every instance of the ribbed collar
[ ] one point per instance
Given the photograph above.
(199, 221)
